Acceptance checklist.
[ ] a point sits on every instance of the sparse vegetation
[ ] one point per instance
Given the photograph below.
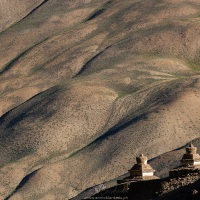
(87, 85)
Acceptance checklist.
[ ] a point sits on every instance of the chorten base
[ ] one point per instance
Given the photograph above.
(184, 171)
(136, 178)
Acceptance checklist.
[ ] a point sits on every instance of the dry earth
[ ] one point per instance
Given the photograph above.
(86, 85)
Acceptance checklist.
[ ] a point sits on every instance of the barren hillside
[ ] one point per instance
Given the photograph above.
(86, 85)
(13, 11)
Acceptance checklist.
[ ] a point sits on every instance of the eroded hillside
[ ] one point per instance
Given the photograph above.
(88, 85)
(13, 11)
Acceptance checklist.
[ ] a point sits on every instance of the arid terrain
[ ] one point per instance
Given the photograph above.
(86, 85)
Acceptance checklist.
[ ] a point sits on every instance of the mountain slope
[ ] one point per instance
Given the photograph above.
(13, 11)
(88, 85)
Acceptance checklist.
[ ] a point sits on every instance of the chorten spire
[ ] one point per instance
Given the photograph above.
(191, 157)
(190, 163)
(141, 159)
(141, 169)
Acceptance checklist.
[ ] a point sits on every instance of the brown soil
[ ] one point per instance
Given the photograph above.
(88, 85)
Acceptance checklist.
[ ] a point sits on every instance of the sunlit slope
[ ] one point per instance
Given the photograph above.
(88, 85)
(13, 11)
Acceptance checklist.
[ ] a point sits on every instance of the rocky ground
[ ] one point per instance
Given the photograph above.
(186, 188)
